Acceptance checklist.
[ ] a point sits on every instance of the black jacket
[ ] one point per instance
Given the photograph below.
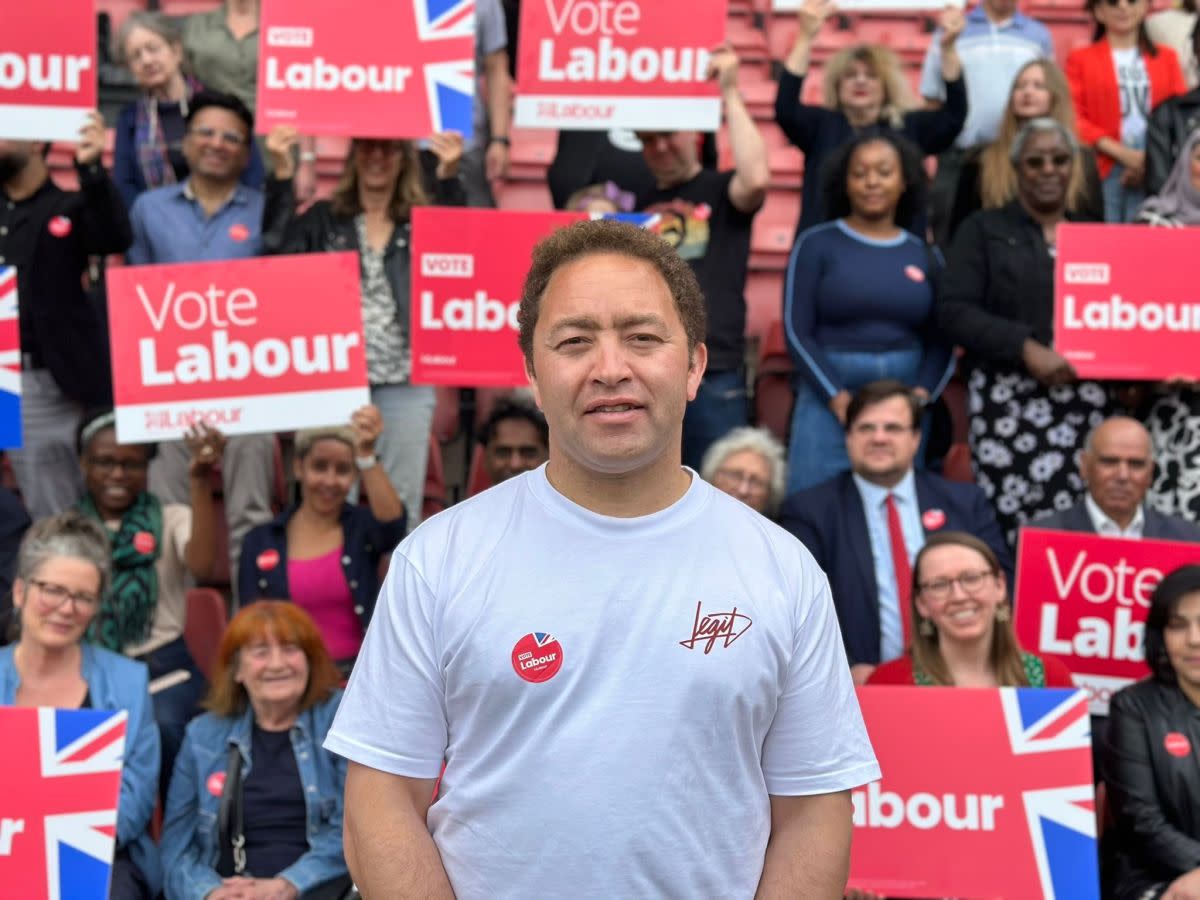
(1169, 126)
(320, 230)
(998, 287)
(61, 328)
(1154, 794)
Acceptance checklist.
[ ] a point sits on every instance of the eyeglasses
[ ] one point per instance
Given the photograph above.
(1057, 160)
(232, 138)
(891, 429)
(110, 463)
(1118, 2)
(51, 596)
(736, 478)
(941, 588)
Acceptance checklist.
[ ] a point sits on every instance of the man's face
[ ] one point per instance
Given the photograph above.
(217, 145)
(610, 366)
(515, 447)
(883, 441)
(14, 156)
(670, 155)
(1119, 468)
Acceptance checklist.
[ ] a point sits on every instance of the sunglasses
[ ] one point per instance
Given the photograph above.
(1057, 160)
(1119, 2)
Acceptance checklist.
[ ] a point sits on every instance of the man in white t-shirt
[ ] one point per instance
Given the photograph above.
(636, 682)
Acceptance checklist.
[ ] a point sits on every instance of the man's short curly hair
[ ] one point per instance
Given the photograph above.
(608, 236)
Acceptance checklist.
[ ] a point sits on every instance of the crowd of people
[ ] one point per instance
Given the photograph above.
(894, 287)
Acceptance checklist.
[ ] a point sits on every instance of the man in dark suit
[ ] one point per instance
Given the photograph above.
(854, 524)
(1117, 465)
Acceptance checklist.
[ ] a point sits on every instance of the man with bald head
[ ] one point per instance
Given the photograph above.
(1117, 465)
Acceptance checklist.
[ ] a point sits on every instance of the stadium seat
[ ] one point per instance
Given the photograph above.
(533, 195)
(773, 394)
(434, 495)
(206, 620)
(764, 301)
(477, 478)
(774, 229)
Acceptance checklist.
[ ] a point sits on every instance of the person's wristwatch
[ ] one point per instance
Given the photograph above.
(500, 139)
(366, 462)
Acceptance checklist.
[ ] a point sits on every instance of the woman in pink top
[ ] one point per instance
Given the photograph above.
(324, 553)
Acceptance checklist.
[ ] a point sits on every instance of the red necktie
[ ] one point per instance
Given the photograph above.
(900, 564)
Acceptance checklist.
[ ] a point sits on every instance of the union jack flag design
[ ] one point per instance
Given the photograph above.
(60, 785)
(947, 754)
(449, 77)
(10, 361)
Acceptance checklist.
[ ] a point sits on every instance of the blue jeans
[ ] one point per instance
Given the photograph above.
(1120, 203)
(403, 448)
(817, 448)
(175, 706)
(719, 407)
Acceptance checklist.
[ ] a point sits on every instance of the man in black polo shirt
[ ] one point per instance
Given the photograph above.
(707, 215)
(48, 234)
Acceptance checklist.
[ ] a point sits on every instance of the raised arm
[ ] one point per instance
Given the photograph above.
(799, 121)
(748, 188)
(206, 445)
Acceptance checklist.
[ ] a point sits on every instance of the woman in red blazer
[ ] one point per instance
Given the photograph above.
(1115, 83)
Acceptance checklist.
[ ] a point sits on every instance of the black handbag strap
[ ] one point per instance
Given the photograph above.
(232, 838)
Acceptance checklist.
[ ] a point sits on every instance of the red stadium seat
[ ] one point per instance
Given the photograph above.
(434, 495)
(523, 195)
(764, 301)
(773, 394)
(477, 478)
(206, 620)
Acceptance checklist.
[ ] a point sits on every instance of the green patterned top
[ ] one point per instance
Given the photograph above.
(1035, 672)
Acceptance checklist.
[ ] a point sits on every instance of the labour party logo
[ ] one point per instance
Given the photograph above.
(537, 657)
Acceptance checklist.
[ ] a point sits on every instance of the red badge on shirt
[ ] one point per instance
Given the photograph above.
(933, 519)
(267, 560)
(537, 657)
(60, 226)
(215, 783)
(144, 543)
(238, 231)
(914, 274)
(1177, 744)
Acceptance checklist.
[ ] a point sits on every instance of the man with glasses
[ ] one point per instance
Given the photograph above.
(866, 526)
(210, 216)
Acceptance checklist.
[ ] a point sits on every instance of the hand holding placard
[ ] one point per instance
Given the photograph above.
(279, 146)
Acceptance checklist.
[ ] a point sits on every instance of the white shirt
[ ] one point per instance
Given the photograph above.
(1106, 527)
(1133, 84)
(642, 766)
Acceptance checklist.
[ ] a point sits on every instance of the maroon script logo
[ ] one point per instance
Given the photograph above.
(726, 627)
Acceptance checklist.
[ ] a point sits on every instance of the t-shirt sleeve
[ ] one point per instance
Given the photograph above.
(393, 714)
(933, 86)
(818, 743)
(177, 526)
(492, 34)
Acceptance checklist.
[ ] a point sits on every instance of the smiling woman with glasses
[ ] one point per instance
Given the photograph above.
(964, 634)
(63, 571)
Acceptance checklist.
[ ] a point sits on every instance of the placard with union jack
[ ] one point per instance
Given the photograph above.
(985, 793)
(364, 68)
(10, 361)
(59, 787)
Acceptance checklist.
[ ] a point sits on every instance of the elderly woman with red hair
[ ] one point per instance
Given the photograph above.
(255, 804)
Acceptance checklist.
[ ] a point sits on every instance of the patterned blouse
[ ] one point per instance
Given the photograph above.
(388, 359)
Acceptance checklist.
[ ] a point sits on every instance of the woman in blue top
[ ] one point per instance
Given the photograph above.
(858, 301)
(255, 806)
(149, 133)
(63, 569)
(865, 91)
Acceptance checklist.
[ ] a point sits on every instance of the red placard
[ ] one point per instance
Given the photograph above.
(47, 69)
(362, 68)
(985, 793)
(252, 345)
(60, 784)
(1125, 301)
(468, 269)
(1083, 598)
(587, 64)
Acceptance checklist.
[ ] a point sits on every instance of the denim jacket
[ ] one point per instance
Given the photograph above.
(115, 682)
(190, 834)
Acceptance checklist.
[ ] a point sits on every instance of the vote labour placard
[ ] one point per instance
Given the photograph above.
(47, 69)
(985, 793)
(468, 269)
(363, 68)
(270, 344)
(1083, 598)
(1125, 302)
(597, 64)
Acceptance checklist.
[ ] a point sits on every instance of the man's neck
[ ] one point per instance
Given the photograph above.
(998, 19)
(28, 181)
(622, 496)
(211, 195)
(1121, 520)
(885, 480)
(665, 184)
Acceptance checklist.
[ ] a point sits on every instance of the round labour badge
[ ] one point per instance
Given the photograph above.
(537, 657)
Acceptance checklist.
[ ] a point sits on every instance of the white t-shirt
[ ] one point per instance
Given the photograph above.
(597, 742)
(1133, 84)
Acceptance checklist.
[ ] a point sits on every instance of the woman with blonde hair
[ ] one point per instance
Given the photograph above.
(987, 179)
(370, 212)
(864, 89)
(962, 631)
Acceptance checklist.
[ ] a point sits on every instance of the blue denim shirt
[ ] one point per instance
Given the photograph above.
(170, 226)
(115, 682)
(190, 834)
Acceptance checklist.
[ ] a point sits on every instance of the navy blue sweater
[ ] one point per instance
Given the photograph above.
(845, 291)
(818, 132)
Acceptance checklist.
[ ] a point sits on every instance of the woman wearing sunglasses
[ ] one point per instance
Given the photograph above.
(1115, 82)
(963, 632)
(63, 570)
